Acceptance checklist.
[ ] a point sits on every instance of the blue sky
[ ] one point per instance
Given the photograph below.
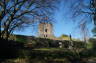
(63, 24)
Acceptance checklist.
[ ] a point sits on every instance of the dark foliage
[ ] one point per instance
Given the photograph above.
(78, 44)
(93, 41)
(9, 49)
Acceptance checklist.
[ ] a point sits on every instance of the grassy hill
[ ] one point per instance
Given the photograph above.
(41, 50)
(21, 38)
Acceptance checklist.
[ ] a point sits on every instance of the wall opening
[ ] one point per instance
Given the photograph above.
(45, 30)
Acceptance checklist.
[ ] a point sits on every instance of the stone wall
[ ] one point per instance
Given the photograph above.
(45, 30)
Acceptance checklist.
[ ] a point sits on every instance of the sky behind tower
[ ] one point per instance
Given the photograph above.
(63, 24)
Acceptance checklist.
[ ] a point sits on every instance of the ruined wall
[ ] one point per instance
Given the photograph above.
(45, 30)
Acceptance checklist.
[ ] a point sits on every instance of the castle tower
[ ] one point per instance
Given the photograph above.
(45, 30)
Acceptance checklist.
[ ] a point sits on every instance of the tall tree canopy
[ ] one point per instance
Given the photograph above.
(17, 14)
(85, 10)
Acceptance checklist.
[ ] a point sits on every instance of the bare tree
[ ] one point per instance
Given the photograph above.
(84, 31)
(17, 14)
(86, 9)
(93, 9)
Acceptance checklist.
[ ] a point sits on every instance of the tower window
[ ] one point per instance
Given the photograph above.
(46, 35)
(45, 30)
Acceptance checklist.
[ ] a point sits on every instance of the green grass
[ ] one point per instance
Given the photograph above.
(50, 49)
(89, 45)
(21, 38)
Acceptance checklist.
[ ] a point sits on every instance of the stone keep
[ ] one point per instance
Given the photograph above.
(45, 30)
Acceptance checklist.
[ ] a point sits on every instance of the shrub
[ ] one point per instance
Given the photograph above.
(9, 49)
